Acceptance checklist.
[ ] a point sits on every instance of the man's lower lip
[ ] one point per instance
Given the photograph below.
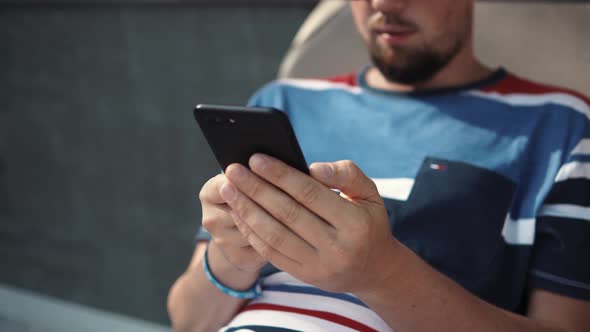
(397, 38)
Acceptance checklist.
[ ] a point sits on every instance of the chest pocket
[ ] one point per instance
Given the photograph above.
(453, 219)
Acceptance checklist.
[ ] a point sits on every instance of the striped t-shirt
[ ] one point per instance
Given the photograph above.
(489, 183)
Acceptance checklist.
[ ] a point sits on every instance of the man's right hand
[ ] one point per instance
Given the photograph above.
(226, 239)
(232, 261)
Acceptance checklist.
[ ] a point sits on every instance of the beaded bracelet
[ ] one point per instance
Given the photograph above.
(252, 293)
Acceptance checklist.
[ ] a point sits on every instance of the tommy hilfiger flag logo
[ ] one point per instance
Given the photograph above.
(438, 167)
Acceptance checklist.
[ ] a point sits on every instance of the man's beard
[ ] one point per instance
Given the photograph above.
(412, 65)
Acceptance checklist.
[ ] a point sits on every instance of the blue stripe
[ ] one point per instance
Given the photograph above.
(313, 291)
(585, 158)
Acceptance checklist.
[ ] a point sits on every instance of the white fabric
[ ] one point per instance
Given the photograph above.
(528, 99)
(398, 189)
(574, 170)
(520, 232)
(566, 211)
(583, 147)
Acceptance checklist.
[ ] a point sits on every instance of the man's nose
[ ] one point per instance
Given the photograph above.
(389, 6)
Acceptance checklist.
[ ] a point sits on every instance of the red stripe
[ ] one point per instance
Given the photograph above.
(514, 84)
(348, 79)
(318, 314)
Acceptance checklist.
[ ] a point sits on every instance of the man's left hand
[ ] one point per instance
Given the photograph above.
(339, 243)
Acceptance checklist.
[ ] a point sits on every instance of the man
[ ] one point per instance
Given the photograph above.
(481, 177)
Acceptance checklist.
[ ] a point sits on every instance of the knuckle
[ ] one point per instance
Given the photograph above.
(209, 188)
(348, 168)
(265, 252)
(275, 239)
(309, 192)
(352, 169)
(202, 194)
(205, 192)
(209, 223)
(242, 210)
(280, 174)
(350, 164)
(246, 233)
(243, 233)
(254, 189)
(289, 213)
(346, 163)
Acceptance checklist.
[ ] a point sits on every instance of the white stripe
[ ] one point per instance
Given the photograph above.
(287, 320)
(573, 170)
(583, 147)
(396, 188)
(283, 278)
(521, 99)
(316, 302)
(322, 303)
(320, 85)
(521, 231)
(565, 211)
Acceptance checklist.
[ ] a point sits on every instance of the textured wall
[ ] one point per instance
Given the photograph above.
(543, 41)
(100, 159)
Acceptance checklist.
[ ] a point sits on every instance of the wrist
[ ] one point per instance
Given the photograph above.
(392, 269)
(227, 273)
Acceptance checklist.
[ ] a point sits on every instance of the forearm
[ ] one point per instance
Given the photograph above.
(418, 298)
(194, 304)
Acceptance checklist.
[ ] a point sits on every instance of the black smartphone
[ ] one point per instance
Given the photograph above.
(235, 133)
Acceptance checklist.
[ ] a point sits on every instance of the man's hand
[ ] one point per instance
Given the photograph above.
(225, 235)
(340, 243)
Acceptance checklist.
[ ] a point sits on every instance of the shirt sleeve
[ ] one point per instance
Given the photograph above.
(561, 254)
(270, 95)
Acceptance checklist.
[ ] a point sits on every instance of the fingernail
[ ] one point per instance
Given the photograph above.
(323, 171)
(228, 192)
(258, 162)
(236, 172)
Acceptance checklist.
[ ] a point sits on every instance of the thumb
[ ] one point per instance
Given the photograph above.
(347, 177)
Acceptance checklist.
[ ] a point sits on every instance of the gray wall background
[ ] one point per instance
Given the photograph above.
(100, 159)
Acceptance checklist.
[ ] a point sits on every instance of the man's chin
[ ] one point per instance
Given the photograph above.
(399, 71)
(408, 69)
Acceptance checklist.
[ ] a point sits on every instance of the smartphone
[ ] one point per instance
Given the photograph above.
(235, 133)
